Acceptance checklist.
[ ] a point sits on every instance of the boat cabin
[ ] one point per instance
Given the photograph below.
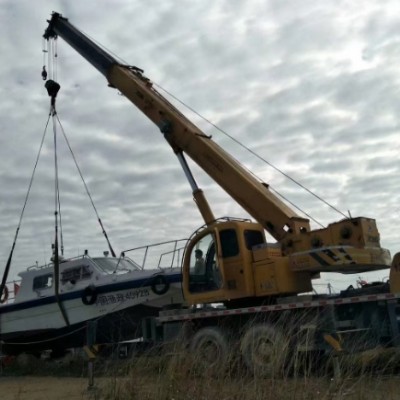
(76, 273)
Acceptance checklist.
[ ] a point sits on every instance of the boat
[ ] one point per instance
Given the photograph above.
(115, 293)
(72, 302)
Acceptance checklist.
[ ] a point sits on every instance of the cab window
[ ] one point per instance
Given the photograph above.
(253, 238)
(229, 243)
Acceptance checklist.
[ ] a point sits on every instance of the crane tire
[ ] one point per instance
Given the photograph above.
(264, 350)
(159, 285)
(89, 295)
(4, 295)
(210, 349)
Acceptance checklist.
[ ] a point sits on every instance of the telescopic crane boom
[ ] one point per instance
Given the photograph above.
(183, 135)
(238, 262)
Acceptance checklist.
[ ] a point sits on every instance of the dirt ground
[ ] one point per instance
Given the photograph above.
(66, 388)
(46, 388)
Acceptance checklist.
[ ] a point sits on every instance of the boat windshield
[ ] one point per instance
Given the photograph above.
(118, 265)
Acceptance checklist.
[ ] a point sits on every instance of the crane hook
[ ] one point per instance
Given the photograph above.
(44, 73)
(52, 89)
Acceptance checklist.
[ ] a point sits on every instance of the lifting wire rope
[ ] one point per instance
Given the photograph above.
(86, 188)
(8, 265)
(51, 50)
(52, 88)
(50, 84)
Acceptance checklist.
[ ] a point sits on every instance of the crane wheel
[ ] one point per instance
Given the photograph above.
(264, 350)
(160, 285)
(209, 347)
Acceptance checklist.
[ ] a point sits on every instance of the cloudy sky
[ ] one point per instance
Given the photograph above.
(312, 87)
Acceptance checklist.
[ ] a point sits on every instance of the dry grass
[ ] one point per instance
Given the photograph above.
(179, 373)
(177, 377)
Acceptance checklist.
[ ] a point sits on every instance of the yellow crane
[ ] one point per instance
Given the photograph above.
(239, 266)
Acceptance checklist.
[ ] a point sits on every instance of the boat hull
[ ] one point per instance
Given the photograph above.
(118, 309)
(112, 328)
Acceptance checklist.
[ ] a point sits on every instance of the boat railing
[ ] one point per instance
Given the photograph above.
(163, 254)
(61, 260)
(37, 266)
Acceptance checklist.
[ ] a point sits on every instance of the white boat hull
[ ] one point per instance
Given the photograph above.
(117, 307)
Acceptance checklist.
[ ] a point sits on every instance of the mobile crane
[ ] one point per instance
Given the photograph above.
(255, 280)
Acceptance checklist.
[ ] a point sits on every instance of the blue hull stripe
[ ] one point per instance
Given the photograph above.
(111, 287)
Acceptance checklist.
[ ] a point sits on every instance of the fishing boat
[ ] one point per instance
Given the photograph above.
(114, 292)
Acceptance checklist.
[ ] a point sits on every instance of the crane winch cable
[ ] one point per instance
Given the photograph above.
(286, 175)
(52, 50)
(123, 62)
(57, 198)
(52, 88)
(257, 156)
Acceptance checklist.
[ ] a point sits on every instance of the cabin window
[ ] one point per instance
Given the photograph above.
(112, 265)
(75, 274)
(229, 243)
(43, 282)
(253, 238)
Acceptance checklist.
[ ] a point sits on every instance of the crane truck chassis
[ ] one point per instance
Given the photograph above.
(252, 297)
(267, 338)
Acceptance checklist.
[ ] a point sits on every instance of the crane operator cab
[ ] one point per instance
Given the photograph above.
(231, 260)
(222, 263)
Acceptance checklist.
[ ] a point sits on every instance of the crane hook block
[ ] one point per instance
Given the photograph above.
(52, 88)
(44, 73)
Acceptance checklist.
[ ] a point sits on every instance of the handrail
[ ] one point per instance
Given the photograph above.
(176, 252)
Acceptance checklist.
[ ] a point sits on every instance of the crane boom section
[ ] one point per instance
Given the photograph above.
(182, 135)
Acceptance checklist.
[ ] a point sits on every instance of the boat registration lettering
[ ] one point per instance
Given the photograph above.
(134, 294)
(121, 297)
